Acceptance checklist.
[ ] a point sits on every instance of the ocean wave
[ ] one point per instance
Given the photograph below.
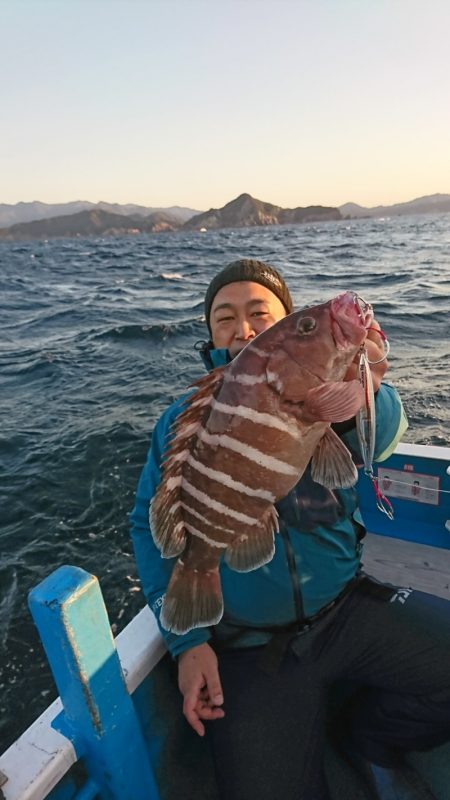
(98, 337)
(172, 276)
(156, 332)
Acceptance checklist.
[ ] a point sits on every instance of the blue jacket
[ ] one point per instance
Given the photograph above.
(316, 553)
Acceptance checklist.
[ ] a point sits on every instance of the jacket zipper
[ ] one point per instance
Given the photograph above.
(296, 590)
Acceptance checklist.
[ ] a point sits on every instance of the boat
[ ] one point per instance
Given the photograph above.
(117, 731)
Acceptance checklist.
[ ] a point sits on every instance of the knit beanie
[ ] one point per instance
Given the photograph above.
(246, 269)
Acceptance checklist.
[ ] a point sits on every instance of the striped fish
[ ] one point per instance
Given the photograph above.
(245, 439)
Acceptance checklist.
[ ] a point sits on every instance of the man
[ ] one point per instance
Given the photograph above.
(260, 679)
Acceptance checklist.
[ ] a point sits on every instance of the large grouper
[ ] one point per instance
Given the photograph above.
(244, 440)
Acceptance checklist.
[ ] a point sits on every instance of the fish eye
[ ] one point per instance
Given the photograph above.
(306, 325)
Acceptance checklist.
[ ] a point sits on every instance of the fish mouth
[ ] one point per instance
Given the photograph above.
(350, 317)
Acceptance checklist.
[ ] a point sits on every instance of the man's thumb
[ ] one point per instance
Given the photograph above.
(214, 688)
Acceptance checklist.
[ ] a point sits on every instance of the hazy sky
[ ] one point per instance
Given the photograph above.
(192, 102)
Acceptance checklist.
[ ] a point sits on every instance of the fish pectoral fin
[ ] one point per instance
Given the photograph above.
(332, 465)
(255, 546)
(193, 599)
(333, 402)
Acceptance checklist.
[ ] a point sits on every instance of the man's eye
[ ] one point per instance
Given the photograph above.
(260, 313)
(224, 319)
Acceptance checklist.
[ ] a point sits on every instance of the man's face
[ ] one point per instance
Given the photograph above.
(240, 311)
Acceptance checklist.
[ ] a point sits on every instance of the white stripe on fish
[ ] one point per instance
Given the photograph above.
(244, 379)
(227, 480)
(200, 535)
(258, 351)
(199, 402)
(274, 380)
(269, 462)
(199, 516)
(258, 417)
(216, 506)
(172, 483)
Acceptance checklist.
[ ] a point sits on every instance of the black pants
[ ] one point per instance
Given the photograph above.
(396, 653)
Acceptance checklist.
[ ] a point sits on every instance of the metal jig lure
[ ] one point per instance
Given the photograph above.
(366, 416)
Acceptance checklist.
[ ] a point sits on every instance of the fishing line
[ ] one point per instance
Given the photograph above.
(365, 427)
(405, 483)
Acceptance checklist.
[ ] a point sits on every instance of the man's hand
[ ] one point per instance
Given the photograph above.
(199, 683)
(375, 350)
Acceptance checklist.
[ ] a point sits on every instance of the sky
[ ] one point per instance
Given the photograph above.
(192, 102)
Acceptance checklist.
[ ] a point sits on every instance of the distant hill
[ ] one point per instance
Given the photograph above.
(242, 212)
(28, 212)
(104, 219)
(246, 211)
(90, 223)
(433, 203)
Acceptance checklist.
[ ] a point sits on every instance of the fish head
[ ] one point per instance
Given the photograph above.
(316, 344)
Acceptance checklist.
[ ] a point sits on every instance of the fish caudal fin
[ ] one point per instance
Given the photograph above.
(254, 548)
(193, 599)
(332, 465)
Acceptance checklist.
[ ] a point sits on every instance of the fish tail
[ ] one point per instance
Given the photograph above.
(193, 599)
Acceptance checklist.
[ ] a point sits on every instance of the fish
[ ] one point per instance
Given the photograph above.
(245, 438)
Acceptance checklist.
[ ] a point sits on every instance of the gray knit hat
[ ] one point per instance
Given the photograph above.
(246, 269)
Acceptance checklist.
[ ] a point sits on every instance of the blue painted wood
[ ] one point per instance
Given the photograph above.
(71, 617)
(67, 789)
(424, 523)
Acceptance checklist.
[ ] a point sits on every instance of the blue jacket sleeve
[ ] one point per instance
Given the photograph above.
(155, 571)
(391, 423)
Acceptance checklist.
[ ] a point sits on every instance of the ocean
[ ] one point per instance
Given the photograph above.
(98, 336)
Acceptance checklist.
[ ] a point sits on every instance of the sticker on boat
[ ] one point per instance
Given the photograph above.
(409, 485)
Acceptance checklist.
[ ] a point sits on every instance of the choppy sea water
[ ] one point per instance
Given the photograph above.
(97, 337)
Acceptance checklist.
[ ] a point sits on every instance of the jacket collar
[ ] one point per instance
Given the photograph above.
(213, 357)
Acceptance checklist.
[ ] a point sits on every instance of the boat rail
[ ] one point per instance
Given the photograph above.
(37, 761)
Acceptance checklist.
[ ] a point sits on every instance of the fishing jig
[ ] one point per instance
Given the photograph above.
(366, 417)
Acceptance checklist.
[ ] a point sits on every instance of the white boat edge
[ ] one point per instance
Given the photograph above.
(41, 756)
(424, 450)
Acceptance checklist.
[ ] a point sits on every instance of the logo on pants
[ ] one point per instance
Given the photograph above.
(401, 595)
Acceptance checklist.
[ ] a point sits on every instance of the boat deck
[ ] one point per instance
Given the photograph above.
(409, 564)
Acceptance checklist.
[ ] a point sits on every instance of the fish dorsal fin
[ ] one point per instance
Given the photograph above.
(166, 517)
(333, 402)
(332, 465)
(196, 413)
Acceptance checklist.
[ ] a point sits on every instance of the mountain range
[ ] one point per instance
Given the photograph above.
(81, 218)
(29, 212)
(431, 203)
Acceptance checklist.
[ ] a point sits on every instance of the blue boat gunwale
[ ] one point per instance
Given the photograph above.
(36, 762)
